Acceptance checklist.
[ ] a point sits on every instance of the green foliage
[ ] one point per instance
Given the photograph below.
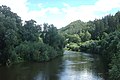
(72, 38)
(115, 67)
(90, 46)
(110, 49)
(73, 47)
(30, 31)
(36, 51)
(9, 25)
(51, 37)
(27, 42)
(74, 27)
(100, 36)
(85, 36)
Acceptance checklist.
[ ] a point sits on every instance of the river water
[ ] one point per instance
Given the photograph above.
(71, 66)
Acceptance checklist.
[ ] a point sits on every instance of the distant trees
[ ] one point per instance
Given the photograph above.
(100, 36)
(74, 27)
(85, 36)
(27, 42)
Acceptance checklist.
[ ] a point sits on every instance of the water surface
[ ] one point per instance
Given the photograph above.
(71, 66)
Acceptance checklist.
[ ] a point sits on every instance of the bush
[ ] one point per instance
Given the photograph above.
(73, 47)
(115, 68)
(90, 46)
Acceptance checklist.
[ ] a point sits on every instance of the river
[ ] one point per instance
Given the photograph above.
(71, 66)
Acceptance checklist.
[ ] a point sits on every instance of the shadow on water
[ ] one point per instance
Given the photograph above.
(72, 66)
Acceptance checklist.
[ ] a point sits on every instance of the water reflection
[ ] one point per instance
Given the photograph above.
(72, 66)
(79, 67)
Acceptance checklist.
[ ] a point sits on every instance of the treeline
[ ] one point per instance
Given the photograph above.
(27, 42)
(101, 36)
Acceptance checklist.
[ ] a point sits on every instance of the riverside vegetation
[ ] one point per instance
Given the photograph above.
(21, 42)
(101, 36)
(27, 42)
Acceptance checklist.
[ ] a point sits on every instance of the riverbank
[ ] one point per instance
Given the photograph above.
(70, 66)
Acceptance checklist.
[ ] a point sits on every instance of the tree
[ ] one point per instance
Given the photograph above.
(9, 25)
(27, 42)
(85, 36)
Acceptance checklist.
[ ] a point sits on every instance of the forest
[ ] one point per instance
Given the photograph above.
(101, 36)
(21, 42)
(31, 42)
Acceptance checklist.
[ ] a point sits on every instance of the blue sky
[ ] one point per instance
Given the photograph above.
(62, 12)
(59, 3)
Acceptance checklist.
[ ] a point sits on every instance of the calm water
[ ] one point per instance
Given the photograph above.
(72, 66)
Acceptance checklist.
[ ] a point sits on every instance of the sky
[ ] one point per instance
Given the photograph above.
(62, 12)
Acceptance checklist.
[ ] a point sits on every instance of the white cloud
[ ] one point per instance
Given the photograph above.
(89, 12)
(107, 5)
(66, 5)
(40, 5)
(54, 10)
(18, 6)
(62, 16)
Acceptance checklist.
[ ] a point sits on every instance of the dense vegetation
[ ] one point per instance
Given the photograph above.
(27, 42)
(101, 36)
(20, 42)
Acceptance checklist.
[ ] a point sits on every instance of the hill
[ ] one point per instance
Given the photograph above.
(74, 27)
(101, 36)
